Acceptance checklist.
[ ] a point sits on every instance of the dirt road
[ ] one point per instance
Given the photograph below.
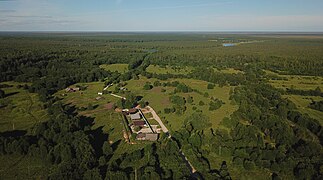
(156, 117)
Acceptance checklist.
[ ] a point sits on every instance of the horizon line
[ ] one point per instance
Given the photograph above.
(160, 31)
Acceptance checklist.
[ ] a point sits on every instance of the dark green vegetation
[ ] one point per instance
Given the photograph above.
(251, 111)
(317, 105)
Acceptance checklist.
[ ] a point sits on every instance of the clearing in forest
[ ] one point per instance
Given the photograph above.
(121, 68)
(20, 109)
(159, 98)
(300, 83)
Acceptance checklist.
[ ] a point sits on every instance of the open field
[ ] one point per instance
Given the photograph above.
(298, 82)
(169, 69)
(302, 83)
(22, 110)
(104, 118)
(160, 100)
(121, 68)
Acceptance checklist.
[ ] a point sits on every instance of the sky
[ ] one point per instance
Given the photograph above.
(161, 15)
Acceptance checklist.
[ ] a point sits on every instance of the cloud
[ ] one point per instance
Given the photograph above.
(30, 16)
(251, 22)
(7, 11)
(182, 6)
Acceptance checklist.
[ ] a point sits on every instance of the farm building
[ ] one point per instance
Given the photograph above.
(147, 137)
(141, 136)
(151, 137)
(136, 116)
(130, 111)
(72, 89)
(139, 123)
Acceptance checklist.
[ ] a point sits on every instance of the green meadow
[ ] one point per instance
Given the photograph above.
(21, 110)
(121, 68)
(302, 83)
(295, 81)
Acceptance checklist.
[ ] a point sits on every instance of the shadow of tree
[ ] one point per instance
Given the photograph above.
(10, 94)
(98, 139)
(15, 133)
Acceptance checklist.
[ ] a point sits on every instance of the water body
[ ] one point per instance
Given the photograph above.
(228, 44)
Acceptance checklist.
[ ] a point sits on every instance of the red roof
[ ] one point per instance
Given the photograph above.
(139, 123)
(133, 110)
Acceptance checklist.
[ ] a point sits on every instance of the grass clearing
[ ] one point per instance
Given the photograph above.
(104, 118)
(121, 68)
(169, 69)
(303, 83)
(296, 81)
(229, 71)
(302, 103)
(23, 109)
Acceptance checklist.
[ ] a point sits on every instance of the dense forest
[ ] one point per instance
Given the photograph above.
(266, 131)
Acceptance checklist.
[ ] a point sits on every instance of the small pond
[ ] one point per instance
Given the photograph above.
(228, 44)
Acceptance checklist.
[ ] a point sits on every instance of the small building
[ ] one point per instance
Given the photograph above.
(152, 137)
(147, 137)
(129, 111)
(136, 116)
(100, 93)
(141, 136)
(139, 123)
(72, 89)
(132, 111)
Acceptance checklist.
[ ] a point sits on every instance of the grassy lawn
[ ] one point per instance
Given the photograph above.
(86, 97)
(22, 167)
(150, 119)
(302, 103)
(121, 68)
(168, 69)
(23, 109)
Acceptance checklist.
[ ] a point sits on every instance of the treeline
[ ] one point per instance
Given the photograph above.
(64, 142)
(317, 105)
(315, 92)
(56, 67)
(210, 75)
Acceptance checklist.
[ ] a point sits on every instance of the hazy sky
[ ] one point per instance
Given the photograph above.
(161, 15)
